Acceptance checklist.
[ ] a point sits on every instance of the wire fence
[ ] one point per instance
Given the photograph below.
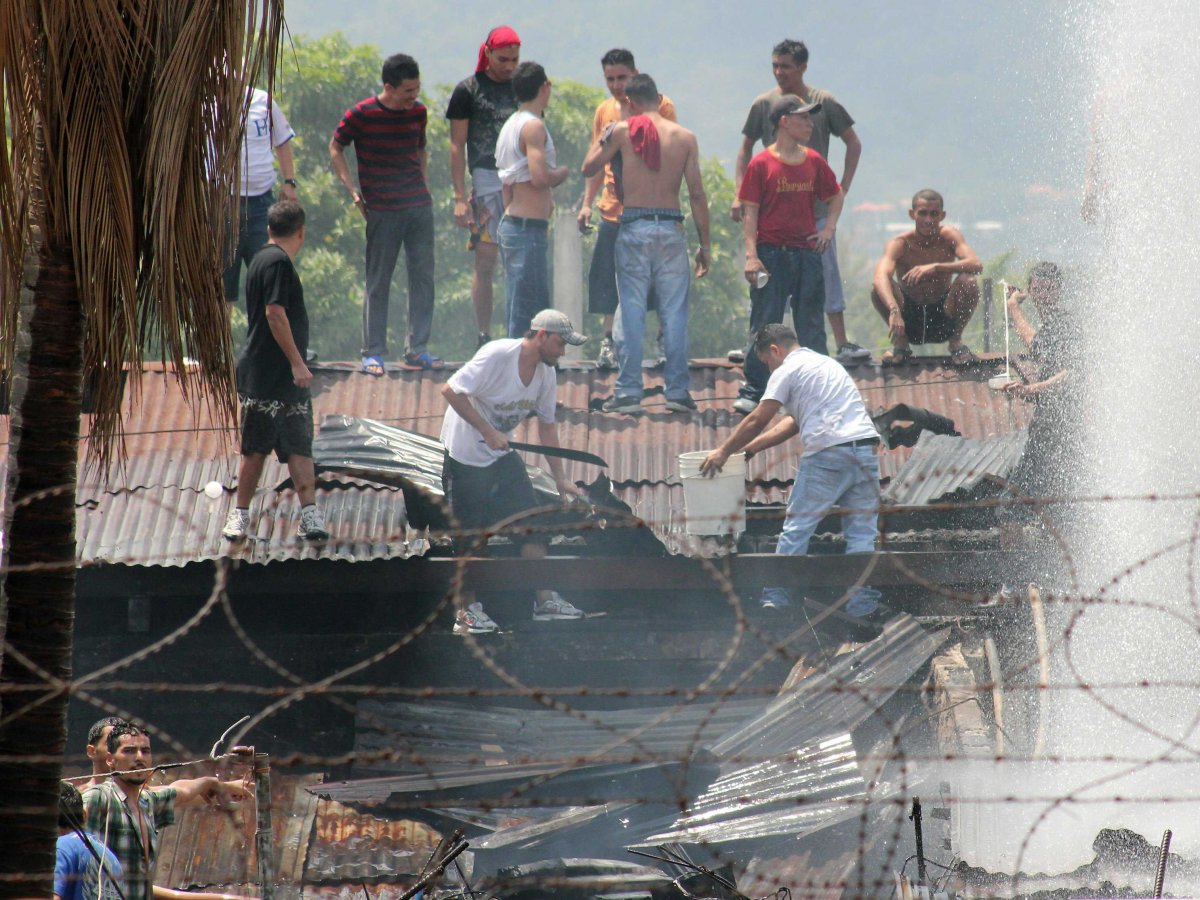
(1020, 719)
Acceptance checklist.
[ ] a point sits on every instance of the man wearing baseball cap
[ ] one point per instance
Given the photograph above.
(779, 196)
(508, 380)
(789, 65)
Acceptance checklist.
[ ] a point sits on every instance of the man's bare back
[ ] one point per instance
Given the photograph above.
(647, 188)
(678, 162)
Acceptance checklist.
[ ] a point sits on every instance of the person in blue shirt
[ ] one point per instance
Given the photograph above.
(84, 869)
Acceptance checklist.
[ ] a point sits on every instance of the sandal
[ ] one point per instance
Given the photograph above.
(373, 366)
(962, 356)
(423, 360)
(897, 356)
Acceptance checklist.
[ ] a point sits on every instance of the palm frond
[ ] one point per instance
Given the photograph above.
(125, 120)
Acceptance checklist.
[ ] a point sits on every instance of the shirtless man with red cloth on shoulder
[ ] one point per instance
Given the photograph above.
(656, 156)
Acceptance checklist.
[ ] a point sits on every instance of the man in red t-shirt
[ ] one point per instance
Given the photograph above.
(778, 197)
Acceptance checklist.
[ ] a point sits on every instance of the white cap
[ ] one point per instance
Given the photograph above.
(554, 322)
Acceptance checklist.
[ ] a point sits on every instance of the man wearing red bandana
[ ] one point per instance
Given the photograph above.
(478, 108)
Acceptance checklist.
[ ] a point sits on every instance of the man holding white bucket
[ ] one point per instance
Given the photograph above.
(839, 465)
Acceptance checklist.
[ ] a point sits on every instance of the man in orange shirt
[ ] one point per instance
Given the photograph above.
(602, 277)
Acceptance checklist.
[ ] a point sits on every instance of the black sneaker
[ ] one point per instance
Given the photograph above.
(630, 406)
(682, 404)
(484, 337)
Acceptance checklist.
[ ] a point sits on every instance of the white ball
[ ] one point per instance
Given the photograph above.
(213, 490)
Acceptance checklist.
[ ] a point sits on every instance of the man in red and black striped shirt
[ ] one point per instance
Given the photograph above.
(388, 134)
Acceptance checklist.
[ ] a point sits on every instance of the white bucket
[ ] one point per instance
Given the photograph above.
(714, 505)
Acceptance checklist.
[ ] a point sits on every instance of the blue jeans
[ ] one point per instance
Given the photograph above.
(387, 230)
(798, 281)
(652, 254)
(526, 270)
(251, 236)
(836, 476)
(835, 296)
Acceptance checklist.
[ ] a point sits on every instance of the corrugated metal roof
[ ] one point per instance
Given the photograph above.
(155, 513)
(638, 450)
(153, 510)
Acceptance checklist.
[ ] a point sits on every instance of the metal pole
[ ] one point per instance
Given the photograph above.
(1164, 851)
(262, 832)
(987, 315)
(916, 820)
(568, 272)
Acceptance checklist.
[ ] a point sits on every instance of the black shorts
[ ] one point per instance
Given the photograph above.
(274, 425)
(602, 276)
(926, 323)
(480, 496)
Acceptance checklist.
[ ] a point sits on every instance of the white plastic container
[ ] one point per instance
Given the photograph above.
(714, 505)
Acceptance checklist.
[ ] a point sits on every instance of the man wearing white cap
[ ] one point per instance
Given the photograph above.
(484, 479)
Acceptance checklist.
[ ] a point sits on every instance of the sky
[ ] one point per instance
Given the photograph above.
(986, 101)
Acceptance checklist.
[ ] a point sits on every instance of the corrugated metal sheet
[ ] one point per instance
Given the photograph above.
(351, 846)
(941, 464)
(206, 848)
(317, 842)
(458, 736)
(154, 512)
(841, 697)
(809, 788)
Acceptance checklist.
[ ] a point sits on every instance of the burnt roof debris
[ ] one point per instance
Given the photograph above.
(412, 462)
(841, 697)
(747, 769)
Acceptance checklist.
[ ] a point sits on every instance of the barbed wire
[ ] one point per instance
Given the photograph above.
(908, 741)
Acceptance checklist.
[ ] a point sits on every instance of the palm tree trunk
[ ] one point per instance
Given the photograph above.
(37, 602)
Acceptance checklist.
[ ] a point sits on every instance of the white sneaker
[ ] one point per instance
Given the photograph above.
(850, 354)
(237, 523)
(555, 608)
(473, 620)
(745, 405)
(312, 525)
(607, 357)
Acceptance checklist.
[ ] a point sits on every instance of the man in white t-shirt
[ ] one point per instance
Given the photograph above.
(838, 467)
(266, 138)
(484, 479)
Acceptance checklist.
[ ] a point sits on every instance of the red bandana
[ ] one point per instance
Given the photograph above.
(643, 136)
(497, 38)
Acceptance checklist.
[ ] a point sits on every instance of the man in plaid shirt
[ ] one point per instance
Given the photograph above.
(127, 815)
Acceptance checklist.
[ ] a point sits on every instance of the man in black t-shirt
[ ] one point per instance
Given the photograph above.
(272, 377)
(478, 109)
